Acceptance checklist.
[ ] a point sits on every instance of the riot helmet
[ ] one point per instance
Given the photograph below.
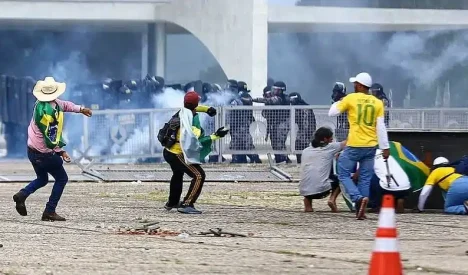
(242, 86)
(267, 92)
(207, 88)
(295, 98)
(278, 88)
(189, 87)
(216, 87)
(232, 86)
(339, 91)
(377, 90)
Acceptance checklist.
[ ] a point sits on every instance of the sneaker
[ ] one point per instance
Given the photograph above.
(188, 210)
(361, 206)
(466, 206)
(51, 217)
(169, 207)
(19, 198)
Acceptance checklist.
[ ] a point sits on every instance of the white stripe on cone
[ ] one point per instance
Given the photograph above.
(386, 245)
(387, 218)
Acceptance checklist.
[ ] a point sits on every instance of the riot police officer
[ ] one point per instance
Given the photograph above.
(377, 90)
(342, 124)
(305, 120)
(239, 121)
(278, 120)
(232, 86)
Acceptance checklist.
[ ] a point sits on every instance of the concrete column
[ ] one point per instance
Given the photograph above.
(237, 38)
(144, 53)
(151, 49)
(160, 42)
(259, 59)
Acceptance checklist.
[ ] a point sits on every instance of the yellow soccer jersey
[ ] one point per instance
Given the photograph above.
(363, 111)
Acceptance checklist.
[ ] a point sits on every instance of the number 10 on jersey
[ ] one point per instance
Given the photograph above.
(366, 114)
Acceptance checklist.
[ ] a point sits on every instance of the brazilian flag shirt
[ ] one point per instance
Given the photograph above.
(45, 132)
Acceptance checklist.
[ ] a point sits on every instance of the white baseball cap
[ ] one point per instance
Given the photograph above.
(440, 160)
(363, 78)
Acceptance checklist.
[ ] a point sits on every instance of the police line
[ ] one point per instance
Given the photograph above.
(120, 135)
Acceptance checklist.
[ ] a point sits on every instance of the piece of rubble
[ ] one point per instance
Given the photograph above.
(183, 235)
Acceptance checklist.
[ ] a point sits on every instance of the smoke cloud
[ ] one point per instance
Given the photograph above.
(310, 63)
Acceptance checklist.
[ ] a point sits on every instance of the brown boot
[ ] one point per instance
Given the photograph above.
(52, 217)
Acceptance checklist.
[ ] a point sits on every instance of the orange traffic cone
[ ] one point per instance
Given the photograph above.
(386, 257)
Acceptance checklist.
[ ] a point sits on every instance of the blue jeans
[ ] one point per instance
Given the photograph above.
(457, 194)
(346, 164)
(43, 165)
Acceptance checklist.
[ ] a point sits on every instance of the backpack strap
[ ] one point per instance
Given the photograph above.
(442, 179)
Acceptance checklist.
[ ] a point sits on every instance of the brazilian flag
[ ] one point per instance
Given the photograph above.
(415, 169)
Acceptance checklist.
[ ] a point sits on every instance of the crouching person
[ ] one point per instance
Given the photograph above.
(317, 181)
(186, 152)
(389, 178)
(45, 145)
(454, 185)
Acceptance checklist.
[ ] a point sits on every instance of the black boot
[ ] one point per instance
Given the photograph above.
(52, 217)
(20, 198)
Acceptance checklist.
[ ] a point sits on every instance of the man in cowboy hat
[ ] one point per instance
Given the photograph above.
(45, 145)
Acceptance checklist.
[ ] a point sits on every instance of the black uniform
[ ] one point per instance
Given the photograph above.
(278, 120)
(377, 90)
(240, 121)
(342, 124)
(305, 120)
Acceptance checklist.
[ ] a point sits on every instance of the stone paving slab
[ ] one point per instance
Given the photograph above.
(283, 239)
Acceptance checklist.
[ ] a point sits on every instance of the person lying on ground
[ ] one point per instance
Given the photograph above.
(317, 180)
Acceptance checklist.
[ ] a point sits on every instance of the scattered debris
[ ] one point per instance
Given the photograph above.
(183, 235)
(150, 228)
(218, 232)
(48, 272)
(419, 268)
(1, 245)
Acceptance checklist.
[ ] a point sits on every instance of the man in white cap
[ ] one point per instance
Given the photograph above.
(367, 130)
(45, 145)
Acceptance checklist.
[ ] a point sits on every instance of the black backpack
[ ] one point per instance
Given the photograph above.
(167, 135)
(461, 166)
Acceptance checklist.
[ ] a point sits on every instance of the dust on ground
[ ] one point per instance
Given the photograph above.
(281, 239)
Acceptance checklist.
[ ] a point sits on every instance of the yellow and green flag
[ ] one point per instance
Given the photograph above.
(49, 120)
(415, 169)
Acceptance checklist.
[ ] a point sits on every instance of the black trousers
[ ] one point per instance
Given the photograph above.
(179, 167)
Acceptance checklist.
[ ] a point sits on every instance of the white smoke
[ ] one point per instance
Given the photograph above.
(168, 102)
(412, 53)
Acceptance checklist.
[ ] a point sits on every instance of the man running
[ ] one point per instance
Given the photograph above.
(367, 130)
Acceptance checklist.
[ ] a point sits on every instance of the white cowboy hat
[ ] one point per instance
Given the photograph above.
(48, 89)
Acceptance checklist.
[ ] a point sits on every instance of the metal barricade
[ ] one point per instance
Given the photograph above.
(257, 129)
(118, 136)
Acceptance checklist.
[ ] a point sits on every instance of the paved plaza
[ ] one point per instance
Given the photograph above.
(98, 237)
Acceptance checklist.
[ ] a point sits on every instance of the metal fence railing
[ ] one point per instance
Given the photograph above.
(119, 135)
